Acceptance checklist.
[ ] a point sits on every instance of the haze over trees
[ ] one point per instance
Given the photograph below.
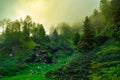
(87, 51)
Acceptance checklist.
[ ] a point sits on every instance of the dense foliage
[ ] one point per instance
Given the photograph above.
(87, 51)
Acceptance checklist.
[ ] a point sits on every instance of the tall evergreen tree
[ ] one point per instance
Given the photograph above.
(87, 39)
(115, 4)
(112, 29)
(26, 27)
(55, 35)
(54, 41)
(39, 35)
(105, 7)
(115, 30)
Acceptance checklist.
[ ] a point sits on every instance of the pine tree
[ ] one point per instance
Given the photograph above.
(55, 35)
(39, 35)
(26, 27)
(55, 41)
(87, 39)
(115, 5)
(42, 35)
(115, 30)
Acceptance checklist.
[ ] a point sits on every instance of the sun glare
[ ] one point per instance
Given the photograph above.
(29, 7)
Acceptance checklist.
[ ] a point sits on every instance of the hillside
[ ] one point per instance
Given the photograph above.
(85, 50)
(37, 71)
(102, 63)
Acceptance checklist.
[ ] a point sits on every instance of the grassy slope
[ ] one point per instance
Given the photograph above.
(35, 73)
(102, 63)
(107, 62)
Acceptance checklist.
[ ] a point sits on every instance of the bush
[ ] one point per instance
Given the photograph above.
(10, 66)
(100, 39)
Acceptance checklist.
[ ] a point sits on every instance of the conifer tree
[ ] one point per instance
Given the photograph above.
(39, 36)
(115, 30)
(26, 27)
(87, 39)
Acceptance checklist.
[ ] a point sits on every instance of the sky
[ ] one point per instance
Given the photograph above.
(48, 12)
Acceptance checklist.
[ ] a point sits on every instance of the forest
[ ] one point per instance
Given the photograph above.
(89, 50)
